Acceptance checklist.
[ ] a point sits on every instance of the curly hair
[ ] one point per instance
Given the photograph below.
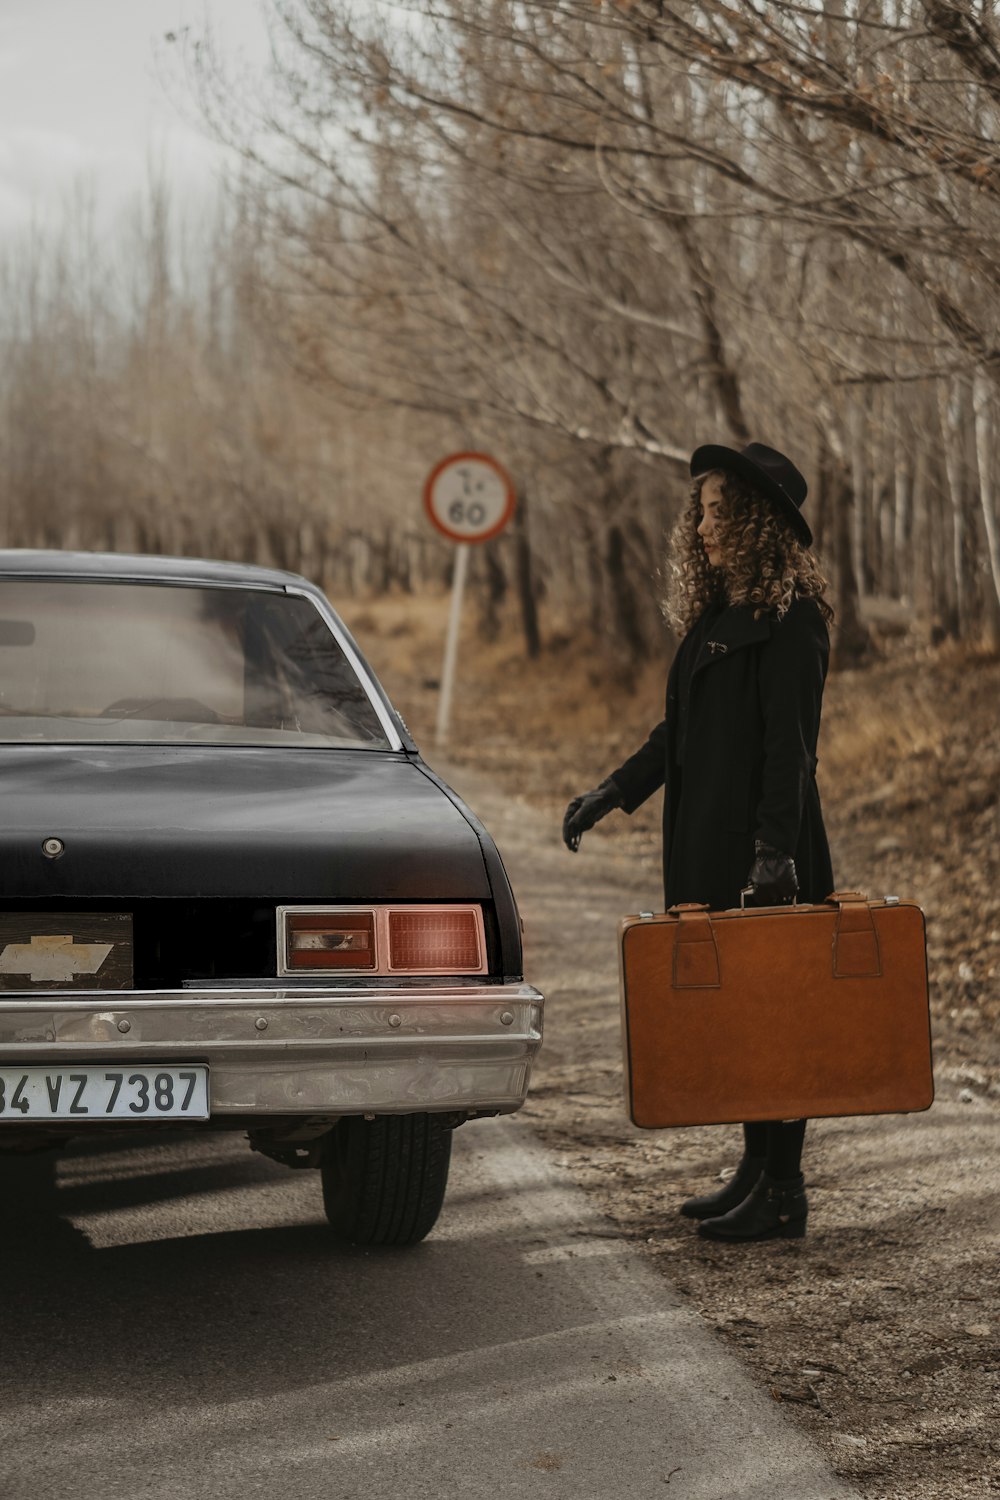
(764, 562)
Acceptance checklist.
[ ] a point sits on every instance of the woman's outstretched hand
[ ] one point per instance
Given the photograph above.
(772, 876)
(583, 812)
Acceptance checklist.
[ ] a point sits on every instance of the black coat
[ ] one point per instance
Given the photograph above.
(749, 761)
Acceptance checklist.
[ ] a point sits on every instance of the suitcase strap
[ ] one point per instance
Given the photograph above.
(696, 952)
(856, 950)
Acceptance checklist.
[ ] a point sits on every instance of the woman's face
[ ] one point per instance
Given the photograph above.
(711, 500)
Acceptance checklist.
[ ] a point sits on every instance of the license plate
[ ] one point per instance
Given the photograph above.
(68, 1092)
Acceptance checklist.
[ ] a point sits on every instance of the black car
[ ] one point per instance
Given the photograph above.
(233, 895)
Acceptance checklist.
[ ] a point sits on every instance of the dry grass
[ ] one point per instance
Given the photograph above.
(548, 727)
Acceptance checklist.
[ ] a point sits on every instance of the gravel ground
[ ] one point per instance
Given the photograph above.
(879, 1331)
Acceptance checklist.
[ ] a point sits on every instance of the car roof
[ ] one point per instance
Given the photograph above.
(31, 562)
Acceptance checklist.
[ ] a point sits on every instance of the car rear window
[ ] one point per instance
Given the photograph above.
(159, 663)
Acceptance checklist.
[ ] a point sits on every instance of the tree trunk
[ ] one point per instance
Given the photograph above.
(950, 411)
(982, 403)
(725, 381)
(853, 640)
(624, 604)
(942, 607)
(492, 592)
(921, 549)
(858, 487)
(595, 581)
(902, 557)
(525, 580)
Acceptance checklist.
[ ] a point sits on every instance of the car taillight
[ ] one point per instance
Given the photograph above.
(381, 939)
(327, 941)
(444, 939)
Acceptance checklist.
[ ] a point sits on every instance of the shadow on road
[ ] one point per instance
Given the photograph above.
(242, 1312)
(225, 1345)
(34, 1232)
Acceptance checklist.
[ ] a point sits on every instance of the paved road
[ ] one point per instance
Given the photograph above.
(175, 1323)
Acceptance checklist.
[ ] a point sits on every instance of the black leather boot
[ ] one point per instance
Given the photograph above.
(777, 1208)
(731, 1193)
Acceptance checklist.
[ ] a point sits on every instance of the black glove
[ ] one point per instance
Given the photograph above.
(772, 876)
(583, 812)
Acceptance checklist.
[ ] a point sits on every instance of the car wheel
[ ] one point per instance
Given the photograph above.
(384, 1179)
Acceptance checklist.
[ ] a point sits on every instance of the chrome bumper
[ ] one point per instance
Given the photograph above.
(294, 1051)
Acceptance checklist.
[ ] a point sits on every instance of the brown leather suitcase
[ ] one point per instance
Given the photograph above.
(775, 1013)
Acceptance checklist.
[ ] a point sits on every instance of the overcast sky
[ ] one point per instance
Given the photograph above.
(80, 96)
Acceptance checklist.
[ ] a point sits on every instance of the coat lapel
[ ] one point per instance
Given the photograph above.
(735, 628)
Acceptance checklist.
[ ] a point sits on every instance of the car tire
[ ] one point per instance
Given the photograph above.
(384, 1179)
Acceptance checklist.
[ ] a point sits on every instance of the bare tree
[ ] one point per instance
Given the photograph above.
(586, 235)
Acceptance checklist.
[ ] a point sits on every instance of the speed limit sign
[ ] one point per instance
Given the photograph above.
(469, 497)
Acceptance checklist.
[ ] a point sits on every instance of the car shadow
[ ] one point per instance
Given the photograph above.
(243, 1312)
(33, 1226)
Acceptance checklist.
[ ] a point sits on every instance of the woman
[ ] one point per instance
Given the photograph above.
(736, 751)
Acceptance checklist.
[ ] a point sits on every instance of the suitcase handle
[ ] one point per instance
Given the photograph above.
(835, 898)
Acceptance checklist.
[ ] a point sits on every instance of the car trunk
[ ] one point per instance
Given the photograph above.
(200, 844)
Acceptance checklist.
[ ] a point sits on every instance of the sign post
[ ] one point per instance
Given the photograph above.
(469, 497)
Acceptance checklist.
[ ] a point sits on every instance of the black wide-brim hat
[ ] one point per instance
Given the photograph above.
(766, 470)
